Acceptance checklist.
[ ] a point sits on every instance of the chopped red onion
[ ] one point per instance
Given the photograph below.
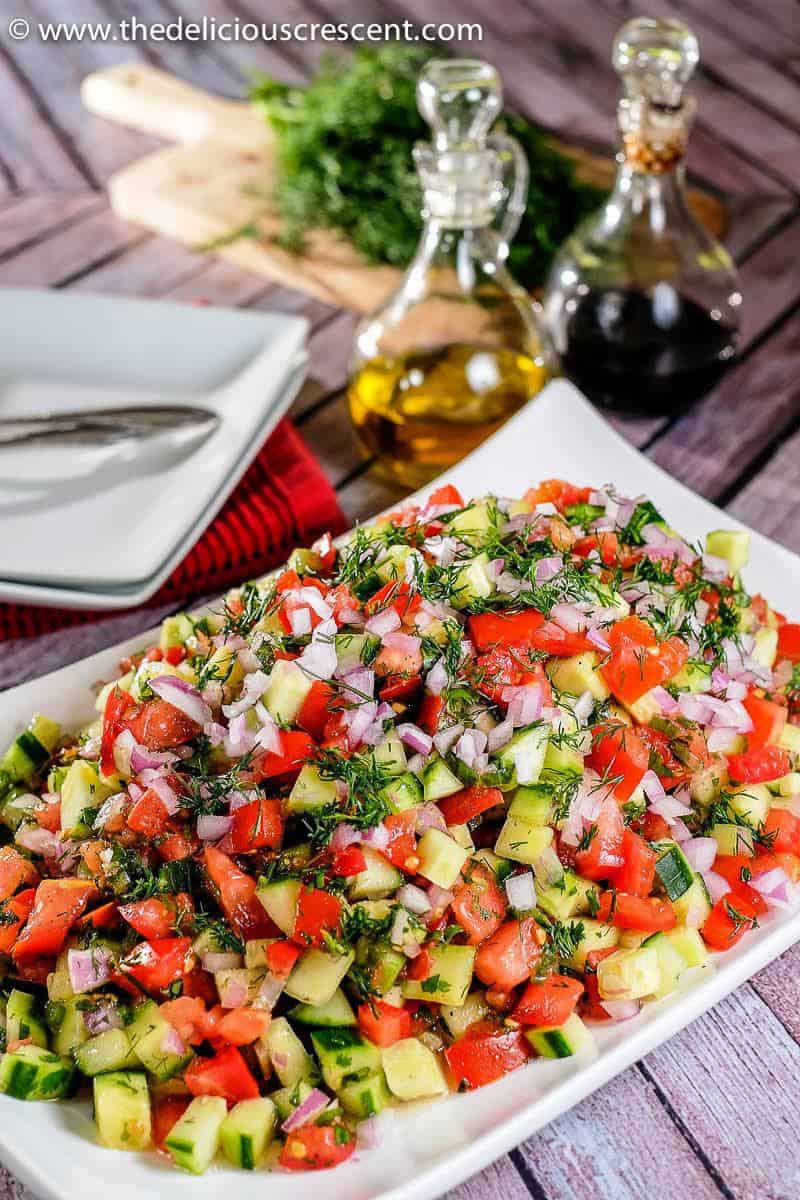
(268, 994)
(220, 961)
(414, 899)
(212, 828)
(376, 838)
(470, 746)
(599, 640)
(667, 703)
(419, 741)
(369, 1133)
(546, 509)
(142, 759)
(495, 568)
(694, 707)
(524, 703)
(500, 735)
(308, 1110)
(652, 787)
(437, 678)
(360, 684)
(622, 1010)
(439, 898)
(172, 1042)
(253, 688)
(181, 695)
(344, 835)
(430, 817)
(232, 992)
(88, 969)
(112, 807)
(716, 885)
(124, 746)
(383, 622)
(38, 841)
(154, 779)
(411, 948)
(700, 853)
(569, 617)
(721, 740)
(547, 568)
(447, 738)
(548, 868)
(101, 1018)
(521, 891)
(773, 885)
(404, 643)
(399, 926)
(319, 657)
(715, 569)
(241, 738)
(300, 621)
(215, 732)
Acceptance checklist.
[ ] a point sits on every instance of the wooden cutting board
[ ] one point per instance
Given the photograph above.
(212, 189)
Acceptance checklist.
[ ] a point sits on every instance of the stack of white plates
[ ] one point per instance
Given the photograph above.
(103, 527)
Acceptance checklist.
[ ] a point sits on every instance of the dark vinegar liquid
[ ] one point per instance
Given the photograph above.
(641, 353)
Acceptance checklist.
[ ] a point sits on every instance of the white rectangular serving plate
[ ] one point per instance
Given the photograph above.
(428, 1147)
(86, 527)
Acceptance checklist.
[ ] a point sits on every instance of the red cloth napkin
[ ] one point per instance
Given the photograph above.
(282, 501)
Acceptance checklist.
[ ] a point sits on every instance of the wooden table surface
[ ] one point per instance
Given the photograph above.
(713, 1113)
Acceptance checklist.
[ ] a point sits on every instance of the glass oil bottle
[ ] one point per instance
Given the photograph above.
(460, 346)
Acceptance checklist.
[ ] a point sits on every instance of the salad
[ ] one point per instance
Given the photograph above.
(397, 820)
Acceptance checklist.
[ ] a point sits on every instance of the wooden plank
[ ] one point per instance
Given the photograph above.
(779, 14)
(761, 38)
(70, 252)
(365, 494)
(500, 1181)
(778, 985)
(34, 156)
(614, 1146)
(287, 60)
(731, 1079)
(770, 501)
(27, 219)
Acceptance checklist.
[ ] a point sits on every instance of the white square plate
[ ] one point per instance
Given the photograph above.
(88, 526)
(430, 1147)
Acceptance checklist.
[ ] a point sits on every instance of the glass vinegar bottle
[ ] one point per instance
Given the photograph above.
(459, 346)
(642, 301)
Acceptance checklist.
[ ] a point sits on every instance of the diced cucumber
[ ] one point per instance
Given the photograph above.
(175, 630)
(473, 582)
(17, 806)
(751, 801)
(790, 739)
(561, 1041)
(382, 963)
(533, 804)
(365, 1097)
(390, 754)
(122, 1109)
(521, 841)
(673, 869)
(439, 781)
(629, 974)
(194, 1140)
(336, 1012)
(279, 899)
(440, 857)
(23, 1019)
(317, 975)
(311, 791)
(458, 1018)
(731, 544)
(287, 689)
(33, 1073)
(733, 839)
(344, 1055)
(462, 835)
(82, 793)
(147, 670)
(579, 674)
(289, 1057)
(522, 758)
(30, 750)
(689, 945)
(403, 793)
(472, 524)
(448, 979)
(107, 1051)
(147, 1032)
(354, 650)
(671, 964)
(596, 936)
(693, 677)
(568, 897)
(694, 905)
(561, 759)
(392, 564)
(287, 1099)
(72, 1031)
(247, 1130)
(378, 879)
(412, 1070)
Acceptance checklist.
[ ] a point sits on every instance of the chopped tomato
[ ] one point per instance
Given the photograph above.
(558, 492)
(397, 595)
(151, 918)
(501, 668)
(105, 916)
(47, 815)
(478, 905)
(402, 848)
(782, 828)
(637, 873)
(768, 720)
(549, 1001)
(281, 957)
(316, 1147)
(468, 803)
(226, 1075)
(735, 868)
(158, 963)
(241, 1026)
(486, 1052)
(318, 912)
(314, 710)
(14, 913)
(118, 703)
(789, 641)
(767, 860)
(654, 827)
(669, 768)
(14, 871)
(148, 815)
(158, 725)
(347, 862)
(591, 1005)
(511, 630)
(237, 895)
(620, 757)
(446, 494)
(167, 1111)
(637, 662)
(602, 856)
(759, 764)
(256, 825)
(174, 847)
(398, 658)
(58, 904)
(382, 1023)
(606, 543)
(561, 643)
(187, 1014)
(429, 712)
(508, 956)
(729, 920)
(420, 967)
(400, 687)
(296, 748)
(647, 915)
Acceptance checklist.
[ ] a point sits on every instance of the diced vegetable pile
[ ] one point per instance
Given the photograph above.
(400, 819)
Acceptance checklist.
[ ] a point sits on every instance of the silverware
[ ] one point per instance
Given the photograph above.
(104, 426)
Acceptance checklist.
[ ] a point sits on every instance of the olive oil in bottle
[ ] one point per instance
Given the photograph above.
(460, 347)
